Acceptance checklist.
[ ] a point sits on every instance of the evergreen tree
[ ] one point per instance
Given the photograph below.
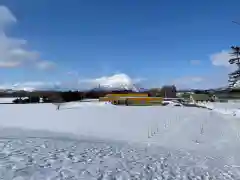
(235, 59)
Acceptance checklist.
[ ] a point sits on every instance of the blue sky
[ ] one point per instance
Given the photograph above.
(158, 41)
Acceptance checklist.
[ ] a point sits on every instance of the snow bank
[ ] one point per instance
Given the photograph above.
(228, 108)
(89, 119)
(192, 129)
(82, 104)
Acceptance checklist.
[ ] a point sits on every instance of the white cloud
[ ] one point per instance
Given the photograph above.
(72, 73)
(9, 64)
(31, 85)
(195, 62)
(13, 51)
(45, 65)
(189, 82)
(221, 59)
(117, 80)
(120, 80)
(114, 81)
(216, 80)
(6, 17)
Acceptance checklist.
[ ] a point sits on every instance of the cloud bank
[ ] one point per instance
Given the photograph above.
(114, 81)
(215, 80)
(13, 51)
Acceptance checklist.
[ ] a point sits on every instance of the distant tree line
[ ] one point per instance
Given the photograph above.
(67, 96)
(57, 97)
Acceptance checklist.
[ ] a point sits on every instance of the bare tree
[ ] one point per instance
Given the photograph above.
(56, 99)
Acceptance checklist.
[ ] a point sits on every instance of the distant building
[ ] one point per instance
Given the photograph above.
(196, 98)
(169, 91)
(115, 96)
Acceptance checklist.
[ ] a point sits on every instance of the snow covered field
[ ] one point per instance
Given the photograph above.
(230, 108)
(90, 142)
(54, 159)
(6, 100)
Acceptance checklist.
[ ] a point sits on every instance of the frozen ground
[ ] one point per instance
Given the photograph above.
(173, 142)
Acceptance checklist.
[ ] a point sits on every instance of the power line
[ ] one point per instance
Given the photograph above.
(235, 22)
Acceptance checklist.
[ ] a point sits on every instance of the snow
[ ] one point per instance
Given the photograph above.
(109, 141)
(6, 100)
(132, 124)
(230, 108)
(57, 159)
(171, 103)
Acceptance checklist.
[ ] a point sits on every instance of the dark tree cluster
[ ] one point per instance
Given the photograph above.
(201, 91)
(27, 100)
(155, 92)
(59, 97)
(76, 96)
(96, 94)
(71, 96)
(68, 96)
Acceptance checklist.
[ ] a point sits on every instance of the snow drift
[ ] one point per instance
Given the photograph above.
(182, 142)
(192, 129)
